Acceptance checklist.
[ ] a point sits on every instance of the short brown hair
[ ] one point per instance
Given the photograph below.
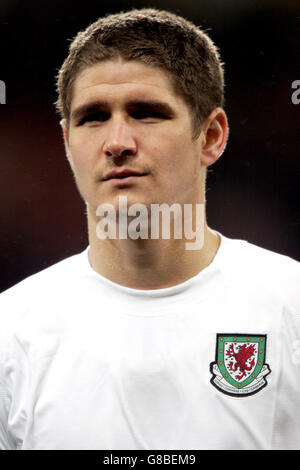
(153, 37)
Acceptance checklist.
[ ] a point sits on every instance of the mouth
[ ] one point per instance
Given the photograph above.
(122, 175)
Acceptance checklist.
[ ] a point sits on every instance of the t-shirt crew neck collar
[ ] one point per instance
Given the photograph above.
(205, 274)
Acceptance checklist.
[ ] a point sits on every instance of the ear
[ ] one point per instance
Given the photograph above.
(214, 135)
(64, 126)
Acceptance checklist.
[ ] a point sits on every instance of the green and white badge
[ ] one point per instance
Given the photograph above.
(240, 369)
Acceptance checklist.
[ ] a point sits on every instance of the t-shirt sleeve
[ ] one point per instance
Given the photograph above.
(287, 417)
(6, 318)
(5, 440)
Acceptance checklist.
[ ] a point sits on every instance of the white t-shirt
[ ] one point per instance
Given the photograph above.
(211, 363)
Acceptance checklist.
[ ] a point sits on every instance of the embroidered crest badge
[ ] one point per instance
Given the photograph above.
(240, 369)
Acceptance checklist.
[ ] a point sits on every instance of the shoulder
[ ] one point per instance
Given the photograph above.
(40, 288)
(263, 269)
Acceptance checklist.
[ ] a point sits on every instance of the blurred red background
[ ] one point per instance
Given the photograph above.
(252, 190)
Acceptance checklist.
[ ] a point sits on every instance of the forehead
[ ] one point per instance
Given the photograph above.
(115, 79)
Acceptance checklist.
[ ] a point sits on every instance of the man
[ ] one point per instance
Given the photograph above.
(146, 342)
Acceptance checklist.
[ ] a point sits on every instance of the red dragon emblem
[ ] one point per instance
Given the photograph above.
(241, 357)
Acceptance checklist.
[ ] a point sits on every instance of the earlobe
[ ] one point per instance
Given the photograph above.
(214, 136)
(64, 126)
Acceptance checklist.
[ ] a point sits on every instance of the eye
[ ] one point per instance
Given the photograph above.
(100, 116)
(147, 114)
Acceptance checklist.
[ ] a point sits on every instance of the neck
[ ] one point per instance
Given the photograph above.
(149, 263)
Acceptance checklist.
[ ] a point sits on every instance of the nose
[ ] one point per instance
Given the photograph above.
(119, 140)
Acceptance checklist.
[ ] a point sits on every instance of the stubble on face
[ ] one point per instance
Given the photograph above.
(159, 145)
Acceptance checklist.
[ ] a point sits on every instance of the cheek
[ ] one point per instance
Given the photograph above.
(178, 156)
(81, 151)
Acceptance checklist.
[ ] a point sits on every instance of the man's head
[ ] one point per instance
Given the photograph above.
(156, 38)
(141, 92)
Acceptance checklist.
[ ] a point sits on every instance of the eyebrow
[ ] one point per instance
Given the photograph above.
(132, 105)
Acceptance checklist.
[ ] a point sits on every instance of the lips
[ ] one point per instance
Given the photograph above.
(121, 174)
